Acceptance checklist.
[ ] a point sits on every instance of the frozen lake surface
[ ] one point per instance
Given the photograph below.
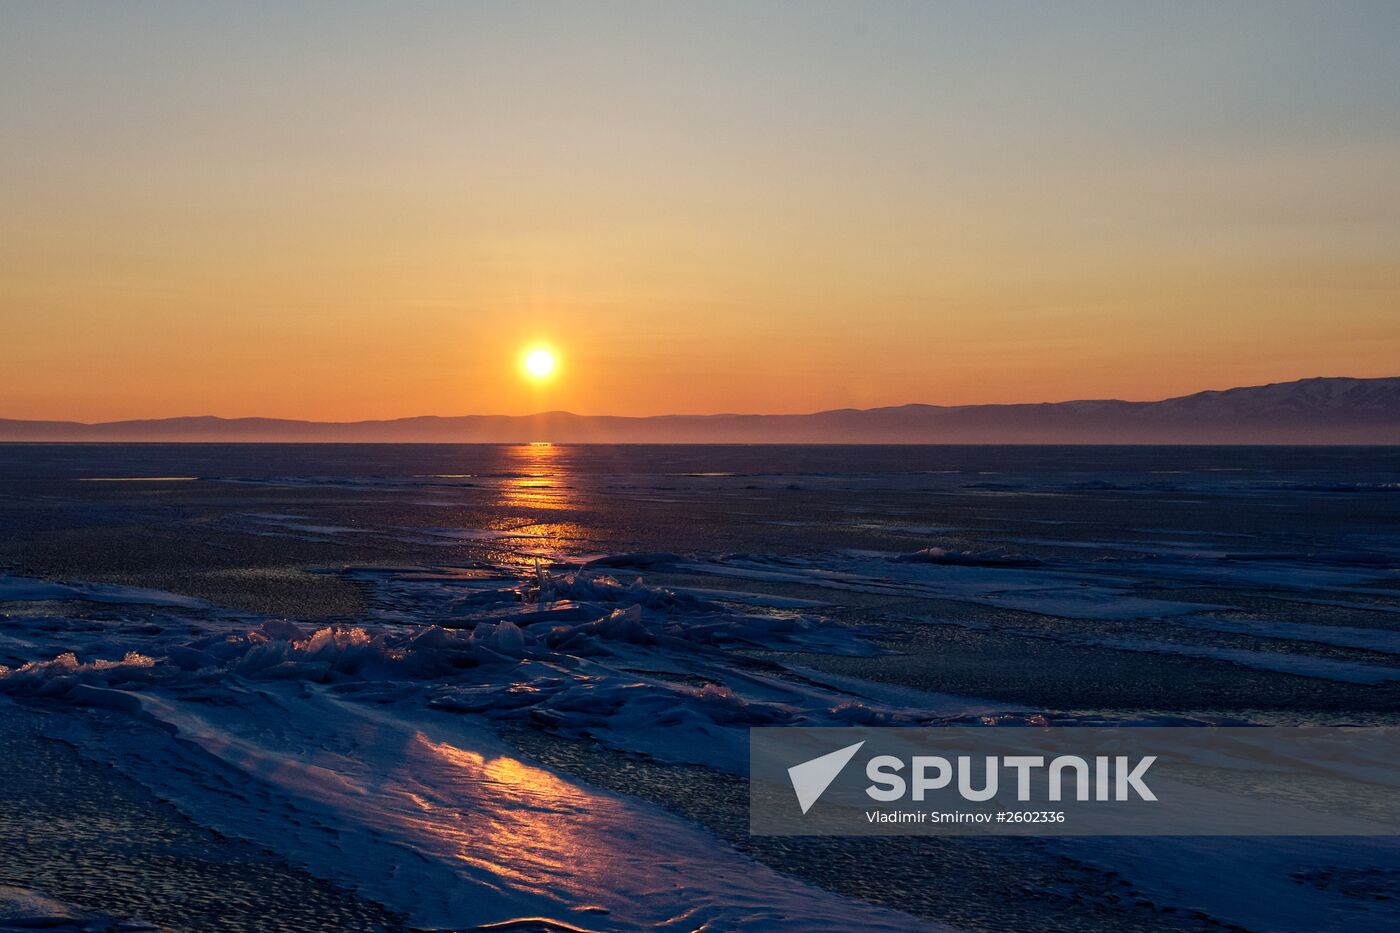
(483, 684)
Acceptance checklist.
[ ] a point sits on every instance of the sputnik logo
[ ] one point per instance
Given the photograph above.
(811, 778)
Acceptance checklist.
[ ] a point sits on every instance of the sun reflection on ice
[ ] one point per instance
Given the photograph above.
(540, 831)
(533, 480)
(537, 484)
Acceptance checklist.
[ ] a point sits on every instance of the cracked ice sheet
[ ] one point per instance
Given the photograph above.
(437, 818)
(1041, 591)
(1282, 662)
(24, 589)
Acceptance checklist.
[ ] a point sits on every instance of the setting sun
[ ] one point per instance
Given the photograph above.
(540, 363)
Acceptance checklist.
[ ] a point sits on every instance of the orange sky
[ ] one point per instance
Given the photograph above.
(728, 209)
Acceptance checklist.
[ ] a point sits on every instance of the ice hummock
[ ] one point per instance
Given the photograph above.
(362, 752)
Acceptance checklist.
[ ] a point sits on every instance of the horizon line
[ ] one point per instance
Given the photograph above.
(722, 414)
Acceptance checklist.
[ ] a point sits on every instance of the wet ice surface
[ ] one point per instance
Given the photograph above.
(658, 602)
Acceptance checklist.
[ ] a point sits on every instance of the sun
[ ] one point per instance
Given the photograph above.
(539, 363)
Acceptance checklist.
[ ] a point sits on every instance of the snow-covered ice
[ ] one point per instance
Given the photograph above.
(362, 754)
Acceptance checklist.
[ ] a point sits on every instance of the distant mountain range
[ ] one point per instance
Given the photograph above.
(1309, 411)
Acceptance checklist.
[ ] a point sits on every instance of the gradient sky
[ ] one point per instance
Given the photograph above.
(348, 211)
